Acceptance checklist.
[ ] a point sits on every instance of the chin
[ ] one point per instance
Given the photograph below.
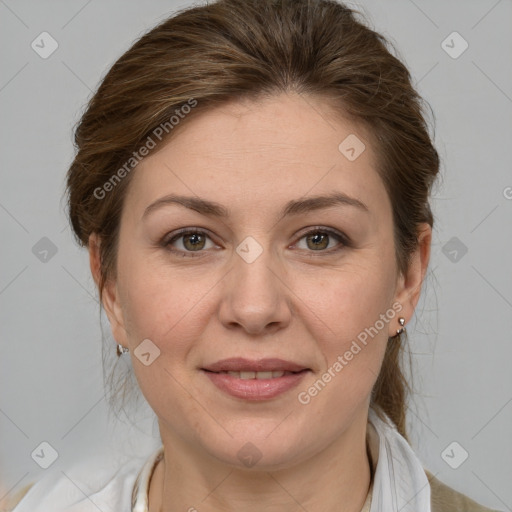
(260, 452)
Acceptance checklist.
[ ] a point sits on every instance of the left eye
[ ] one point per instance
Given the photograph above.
(319, 239)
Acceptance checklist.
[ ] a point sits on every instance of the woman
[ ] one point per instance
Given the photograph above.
(252, 182)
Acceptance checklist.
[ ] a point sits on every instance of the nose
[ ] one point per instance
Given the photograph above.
(255, 296)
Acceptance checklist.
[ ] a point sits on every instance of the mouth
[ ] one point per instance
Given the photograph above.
(255, 380)
(248, 375)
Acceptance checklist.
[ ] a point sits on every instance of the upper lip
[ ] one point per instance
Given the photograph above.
(240, 364)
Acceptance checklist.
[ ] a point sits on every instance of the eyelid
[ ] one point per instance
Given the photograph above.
(324, 229)
(185, 231)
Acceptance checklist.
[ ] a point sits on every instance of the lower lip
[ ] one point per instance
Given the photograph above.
(255, 389)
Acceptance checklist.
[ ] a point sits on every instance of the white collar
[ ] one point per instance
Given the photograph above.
(140, 493)
(399, 483)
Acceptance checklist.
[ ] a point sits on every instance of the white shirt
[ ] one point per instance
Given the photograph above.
(400, 483)
(140, 489)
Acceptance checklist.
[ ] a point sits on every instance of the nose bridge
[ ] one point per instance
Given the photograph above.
(255, 296)
(254, 277)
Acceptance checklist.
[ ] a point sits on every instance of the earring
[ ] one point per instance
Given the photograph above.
(401, 321)
(121, 350)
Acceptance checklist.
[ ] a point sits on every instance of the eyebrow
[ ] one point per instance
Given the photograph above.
(294, 207)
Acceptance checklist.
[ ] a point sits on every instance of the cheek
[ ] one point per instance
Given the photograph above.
(159, 307)
(352, 315)
(165, 304)
(349, 299)
(350, 319)
(166, 308)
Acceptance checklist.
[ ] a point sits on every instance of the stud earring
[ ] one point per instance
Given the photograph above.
(121, 350)
(401, 321)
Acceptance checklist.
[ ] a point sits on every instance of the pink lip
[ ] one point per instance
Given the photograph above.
(255, 389)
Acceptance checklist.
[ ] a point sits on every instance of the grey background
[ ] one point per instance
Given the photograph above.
(51, 386)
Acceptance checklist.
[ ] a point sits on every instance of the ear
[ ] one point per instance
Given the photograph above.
(110, 296)
(409, 285)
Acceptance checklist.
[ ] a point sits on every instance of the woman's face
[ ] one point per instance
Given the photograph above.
(281, 274)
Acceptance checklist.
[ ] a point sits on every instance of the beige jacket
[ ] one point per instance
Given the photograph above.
(443, 499)
(446, 499)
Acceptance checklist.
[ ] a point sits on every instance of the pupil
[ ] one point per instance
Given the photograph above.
(196, 240)
(318, 238)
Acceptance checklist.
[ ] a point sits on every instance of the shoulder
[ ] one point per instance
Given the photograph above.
(82, 488)
(446, 499)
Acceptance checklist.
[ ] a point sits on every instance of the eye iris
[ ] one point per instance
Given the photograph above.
(318, 237)
(199, 239)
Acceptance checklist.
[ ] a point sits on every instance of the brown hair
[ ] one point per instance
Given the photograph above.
(246, 49)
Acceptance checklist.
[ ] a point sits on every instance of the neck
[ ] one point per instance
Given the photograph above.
(335, 479)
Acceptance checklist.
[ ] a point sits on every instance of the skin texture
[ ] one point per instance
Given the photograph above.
(295, 301)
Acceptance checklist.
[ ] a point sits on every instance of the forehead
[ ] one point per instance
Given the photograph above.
(264, 151)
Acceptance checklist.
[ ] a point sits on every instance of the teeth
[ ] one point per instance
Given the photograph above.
(264, 375)
(257, 375)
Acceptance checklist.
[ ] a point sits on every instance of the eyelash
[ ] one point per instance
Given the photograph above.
(166, 241)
